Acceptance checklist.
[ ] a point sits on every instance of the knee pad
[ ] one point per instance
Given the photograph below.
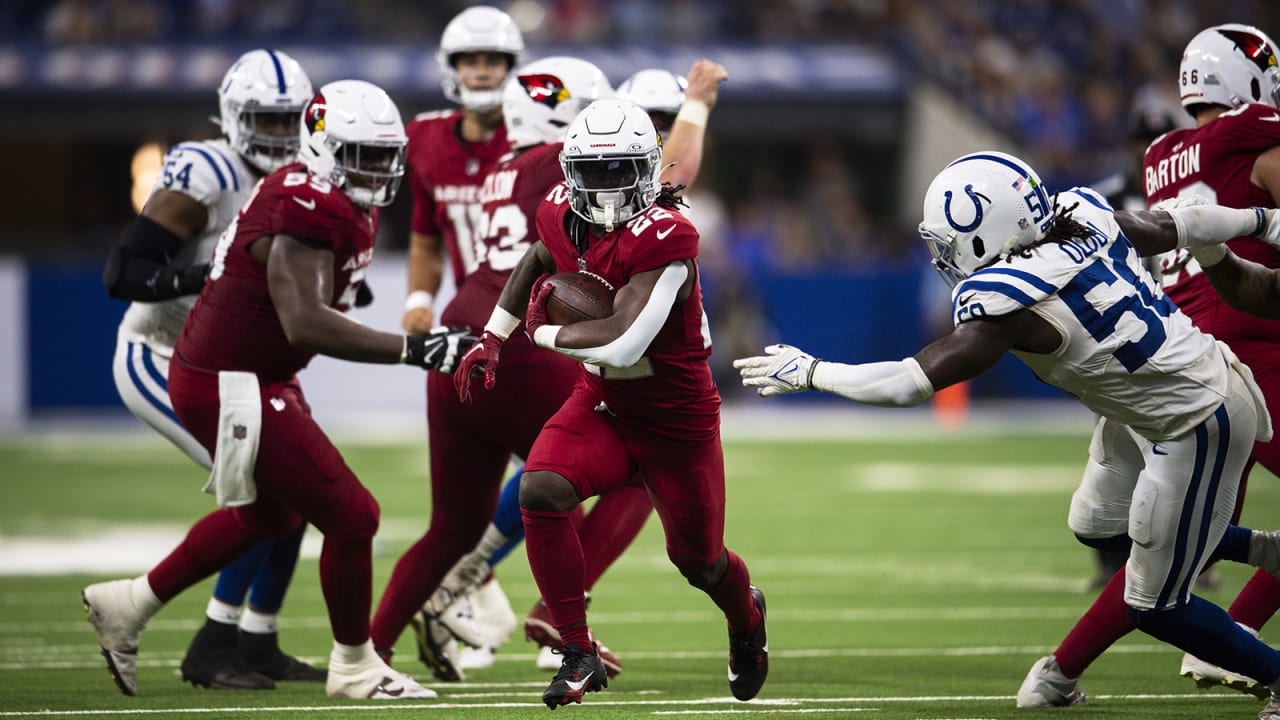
(545, 491)
(1115, 543)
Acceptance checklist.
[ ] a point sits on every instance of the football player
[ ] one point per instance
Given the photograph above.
(644, 401)
(450, 154)
(282, 277)
(160, 265)
(1230, 85)
(679, 109)
(1057, 281)
(472, 442)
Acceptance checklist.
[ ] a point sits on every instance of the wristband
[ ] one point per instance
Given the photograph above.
(419, 299)
(1262, 221)
(545, 336)
(501, 323)
(694, 112)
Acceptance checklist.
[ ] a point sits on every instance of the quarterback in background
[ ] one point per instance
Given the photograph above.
(1057, 280)
(644, 402)
(283, 275)
(160, 265)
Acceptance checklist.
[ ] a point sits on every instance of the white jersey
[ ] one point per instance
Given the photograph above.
(1128, 353)
(215, 176)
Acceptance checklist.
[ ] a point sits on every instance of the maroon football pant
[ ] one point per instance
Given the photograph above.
(300, 476)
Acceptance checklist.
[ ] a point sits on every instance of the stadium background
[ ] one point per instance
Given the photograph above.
(835, 117)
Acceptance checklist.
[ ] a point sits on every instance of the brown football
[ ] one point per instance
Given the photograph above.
(578, 296)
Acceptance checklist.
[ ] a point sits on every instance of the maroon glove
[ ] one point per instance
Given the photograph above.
(536, 316)
(482, 358)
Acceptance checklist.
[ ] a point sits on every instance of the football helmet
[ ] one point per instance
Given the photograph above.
(611, 158)
(1230, 65)
(477, 29)
(660, 92)
(259, 101)
(353, 136)
(980, 207)
(543, 97)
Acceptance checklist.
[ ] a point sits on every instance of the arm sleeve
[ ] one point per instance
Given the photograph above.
(888, 384)
(1201, 225)
(629, 347)
(139, 268)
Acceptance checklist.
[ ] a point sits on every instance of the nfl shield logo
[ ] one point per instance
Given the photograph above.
(239, 432)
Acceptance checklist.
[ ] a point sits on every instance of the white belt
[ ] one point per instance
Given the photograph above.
(642, 369)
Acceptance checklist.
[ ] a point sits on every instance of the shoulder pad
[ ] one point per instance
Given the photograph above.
(200, 169)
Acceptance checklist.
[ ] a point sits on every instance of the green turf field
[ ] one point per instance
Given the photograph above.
(911, 578)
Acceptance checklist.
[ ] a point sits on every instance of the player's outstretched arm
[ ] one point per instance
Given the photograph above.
(970, 349)
(139, 267)
(1244, 285)
(426, 268)
(300, 279)
(640, 309)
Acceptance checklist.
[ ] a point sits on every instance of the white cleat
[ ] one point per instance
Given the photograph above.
(1272, 710)
(548, 660)
(477, 658)
(1207, 675)
(493, 613)
(118, 624)
(1046, 686)
(371, 679)
(459, 619)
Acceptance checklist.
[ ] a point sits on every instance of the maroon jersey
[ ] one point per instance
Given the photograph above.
(234, 324)
(510, 196)
(445, 175)
(1215, 161)
(679, 400)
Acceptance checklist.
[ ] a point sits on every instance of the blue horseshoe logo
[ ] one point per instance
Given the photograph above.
(977, 208)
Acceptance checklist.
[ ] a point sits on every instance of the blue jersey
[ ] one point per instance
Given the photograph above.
(1128, 353)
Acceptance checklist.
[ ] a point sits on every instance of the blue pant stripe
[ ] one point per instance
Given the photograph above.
(147, 395)
(1215, 479)
(1184, 523)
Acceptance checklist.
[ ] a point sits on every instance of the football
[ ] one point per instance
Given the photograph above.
(578, 296)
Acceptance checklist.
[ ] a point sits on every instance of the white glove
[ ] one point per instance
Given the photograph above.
(783, 369)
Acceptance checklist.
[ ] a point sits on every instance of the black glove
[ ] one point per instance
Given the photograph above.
(439, 349)
(364, 296)
(191, 280)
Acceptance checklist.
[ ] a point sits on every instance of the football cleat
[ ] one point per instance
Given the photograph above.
(110, 609)
(371, 679)
(539, 628)
(1272, 710)
(749, 656)
(477, 658)
(581, 672)
(213, 661)
(1047, 686)
(261, 653)
(437, 647)
(493, 612)
(1207, 675)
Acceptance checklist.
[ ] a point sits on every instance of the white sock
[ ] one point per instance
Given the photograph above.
(351, 657)
(144, 598)
(492, 540)
(260, 623)
(221, 612)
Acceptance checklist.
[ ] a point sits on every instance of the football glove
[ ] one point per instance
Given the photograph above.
(481, 359)
(438, 349)
(782, 370)
(536, 316)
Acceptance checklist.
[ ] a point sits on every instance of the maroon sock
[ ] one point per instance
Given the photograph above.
(555, 557)
(1105, 622)
(611, 526)
(733, 596)
(214, 542)
(1258, 601)
(346, 579)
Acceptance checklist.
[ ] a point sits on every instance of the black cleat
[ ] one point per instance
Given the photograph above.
(437, 647)
(261, 653)
(749, 656)
(213, 661)
(581, 672)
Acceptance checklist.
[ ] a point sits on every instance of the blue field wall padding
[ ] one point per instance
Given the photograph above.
(71, 337)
